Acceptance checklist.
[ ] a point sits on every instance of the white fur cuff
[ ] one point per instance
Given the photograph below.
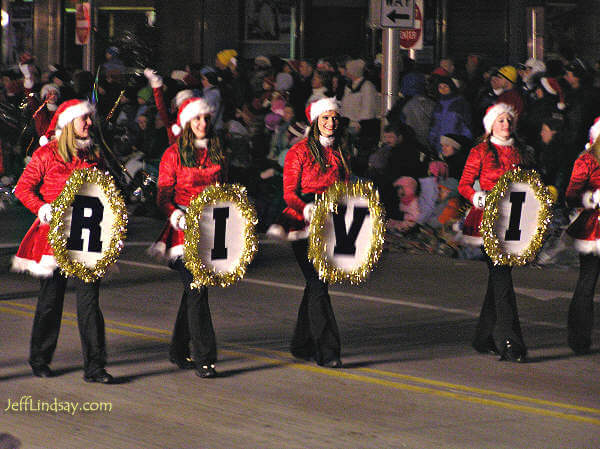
(175, 217)
(308, 211)
(45, 213)
(588, 200)
(479, 199)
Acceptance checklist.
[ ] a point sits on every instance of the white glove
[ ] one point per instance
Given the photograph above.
(479, 200)
(591, 200)
(28, 78)
(45, 213)
(25, 70)
(154, 79)
(308, 212)
(177, 220)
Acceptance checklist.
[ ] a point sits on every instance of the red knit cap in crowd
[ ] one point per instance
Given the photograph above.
(552, 86)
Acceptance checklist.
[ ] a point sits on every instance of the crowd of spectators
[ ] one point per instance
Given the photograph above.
(414, 154)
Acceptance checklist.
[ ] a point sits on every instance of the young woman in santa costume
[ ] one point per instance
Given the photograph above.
(40, 184)
(498, 330)
(584, 191)
(311, 166)
(187, 167)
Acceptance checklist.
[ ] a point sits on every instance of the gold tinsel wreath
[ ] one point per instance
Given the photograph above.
(326, 203)
(56, 235)
(491, 243)
(212, 195)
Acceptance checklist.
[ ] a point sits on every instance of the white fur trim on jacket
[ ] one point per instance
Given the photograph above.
(159, 251)
(471, 240)
(308, 212)
(276, 232)
(42, 269)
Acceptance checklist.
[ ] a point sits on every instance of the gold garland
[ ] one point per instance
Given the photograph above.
(213, 194)
(491, 242)
(56, 235)
(326, 203)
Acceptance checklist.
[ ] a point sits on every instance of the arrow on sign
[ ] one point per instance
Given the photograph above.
(394, 15)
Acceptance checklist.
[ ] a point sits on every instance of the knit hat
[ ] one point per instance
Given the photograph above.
(493, 112)
(508, 72)
(356, 67)
(408, 184)
(594, 131)
(189, 109)
(262, 61)
(438, 169)
(316, 108)
(552, 86)
(50, 87)
(113, 51)
(224, 56)
(65, 114)
(181, 96)
(535, 65)
(452, 140)
(283, 82)
(145, 93)
(210, 74)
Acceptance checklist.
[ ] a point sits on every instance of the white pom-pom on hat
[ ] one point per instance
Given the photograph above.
(316, 108)
(493, 112)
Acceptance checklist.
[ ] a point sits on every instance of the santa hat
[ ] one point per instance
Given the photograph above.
(594, 131)
(65, 114)
(493, 112)
(189, 109)
(552, 86)
(182, 95)
(316, 108)
(50, 87)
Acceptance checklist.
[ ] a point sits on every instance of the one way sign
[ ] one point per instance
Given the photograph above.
(398, 13)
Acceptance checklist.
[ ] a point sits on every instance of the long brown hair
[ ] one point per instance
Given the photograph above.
(595, 150)
(187, 150)
(340, 145)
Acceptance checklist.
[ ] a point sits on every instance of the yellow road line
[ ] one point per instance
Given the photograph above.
(344, 374)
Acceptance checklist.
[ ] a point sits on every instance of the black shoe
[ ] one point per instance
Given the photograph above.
(206, 371)
(511, 353)
(301, 356)
(488, 348)
(580, 346)
(333, 363)
(186, 363)
(41, 371)
(102, 377)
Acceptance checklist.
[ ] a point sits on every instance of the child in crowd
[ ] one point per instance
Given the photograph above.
(407, 191)
(429, 197)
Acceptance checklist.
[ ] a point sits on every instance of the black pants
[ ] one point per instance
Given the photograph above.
(499, 317)
(48, 314)
(193, 323)
(316, 333)
(581, 309)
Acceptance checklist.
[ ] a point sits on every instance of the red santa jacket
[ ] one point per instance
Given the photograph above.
(585, 179)
(177, 186)
(163, 112)
(482, 164)
(42, 181)
(303, 175)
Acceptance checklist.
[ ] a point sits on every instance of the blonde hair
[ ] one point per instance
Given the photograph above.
(67, 146)
(595, 150)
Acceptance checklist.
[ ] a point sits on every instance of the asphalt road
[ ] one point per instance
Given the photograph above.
(410, 378)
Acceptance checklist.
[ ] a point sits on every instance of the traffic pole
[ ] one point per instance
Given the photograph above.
(392, 66)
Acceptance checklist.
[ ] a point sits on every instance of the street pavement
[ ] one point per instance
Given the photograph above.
(410, 378)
